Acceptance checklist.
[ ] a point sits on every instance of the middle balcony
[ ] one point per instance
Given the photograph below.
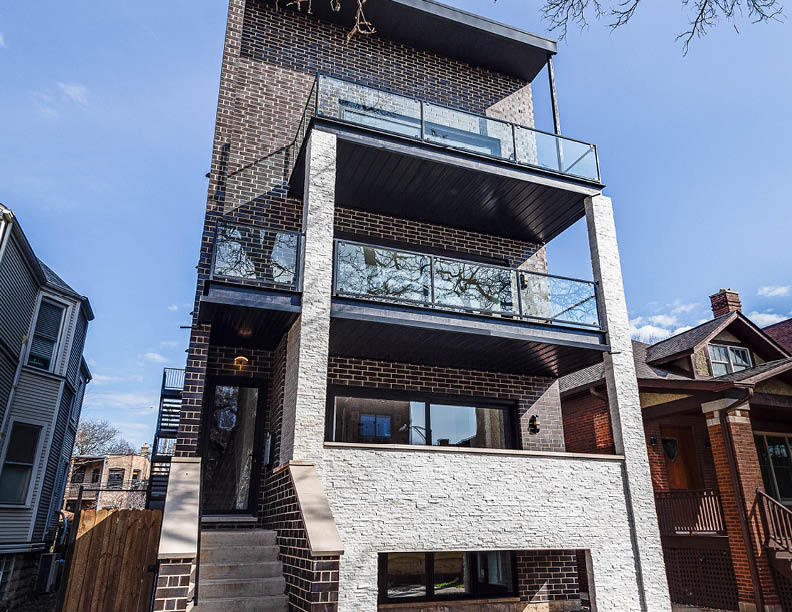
(406, 306)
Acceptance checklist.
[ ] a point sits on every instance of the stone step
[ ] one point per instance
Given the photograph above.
(277, 603)
(238, 554)
(228, 569)
(212, 538)
(227, 588)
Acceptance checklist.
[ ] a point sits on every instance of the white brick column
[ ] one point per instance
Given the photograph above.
(625, 409)
(302, 429)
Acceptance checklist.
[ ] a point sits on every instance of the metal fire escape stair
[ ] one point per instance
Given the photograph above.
(777, 523)
(239, 571)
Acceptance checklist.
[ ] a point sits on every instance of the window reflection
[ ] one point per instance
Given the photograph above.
(406, 575)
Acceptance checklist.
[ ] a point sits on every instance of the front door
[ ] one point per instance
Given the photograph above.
(231, 448)
(680, 458)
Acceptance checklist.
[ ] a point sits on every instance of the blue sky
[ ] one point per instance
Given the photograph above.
(107, 117)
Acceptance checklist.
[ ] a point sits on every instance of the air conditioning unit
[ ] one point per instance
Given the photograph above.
(49, 571)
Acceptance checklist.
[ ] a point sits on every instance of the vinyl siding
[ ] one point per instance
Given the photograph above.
(35, 401)
(18, 291)
(80, 330)
(54, 459)
(7, 371)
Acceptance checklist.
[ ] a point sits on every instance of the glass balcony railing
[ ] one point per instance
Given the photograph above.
(376, 273)
(388, 112)
(256, 256)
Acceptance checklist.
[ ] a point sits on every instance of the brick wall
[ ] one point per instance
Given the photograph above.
(173, 590)
(366, 225)
(587, 425)
(311, 582)
(532, 394)
(547, 575)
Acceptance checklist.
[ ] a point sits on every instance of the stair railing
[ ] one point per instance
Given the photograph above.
(777, 522)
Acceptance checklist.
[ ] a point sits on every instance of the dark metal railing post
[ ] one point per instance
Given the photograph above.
(431, 280)
(518, 286)
(514, 142)
(423, 127)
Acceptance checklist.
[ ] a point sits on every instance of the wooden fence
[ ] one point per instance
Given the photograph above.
(113, 553)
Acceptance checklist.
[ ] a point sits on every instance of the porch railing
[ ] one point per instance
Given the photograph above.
(440, 125)
(777, 522)
(696, 512)
(173, 379)
(257, 256)
(375, 273)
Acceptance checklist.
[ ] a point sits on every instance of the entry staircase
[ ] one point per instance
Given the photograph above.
(239, 571)
(777, 523)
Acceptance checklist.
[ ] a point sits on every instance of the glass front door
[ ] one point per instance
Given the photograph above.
(230, 458)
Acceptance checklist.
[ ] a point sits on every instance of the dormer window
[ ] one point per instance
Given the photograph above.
(45, 335)
(728, 359)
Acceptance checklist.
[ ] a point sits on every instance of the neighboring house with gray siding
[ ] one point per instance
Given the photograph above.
(43, 325)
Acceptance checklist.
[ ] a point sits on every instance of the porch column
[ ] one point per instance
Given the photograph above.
(740, 500)
(305, 392)
(625, 409)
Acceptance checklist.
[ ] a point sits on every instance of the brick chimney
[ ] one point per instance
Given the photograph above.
(144, 450)
(724, 302)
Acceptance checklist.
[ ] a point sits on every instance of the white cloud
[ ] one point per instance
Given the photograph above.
(116, 400)
(75, 92)
(763, 319)
(155, 357)
(679, 330)
(774, 290)
(102, 379)
(679, 308)
(2, 41)
(664, 320)
(170, 343)
(173, 308)
(649, 333)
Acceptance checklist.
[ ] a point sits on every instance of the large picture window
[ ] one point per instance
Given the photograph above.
(417, 576)
(20, 459)
(420, 421)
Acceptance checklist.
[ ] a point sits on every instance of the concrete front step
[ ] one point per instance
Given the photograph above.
(277, 603)
(227, 569)
(237, 537)
(238, 554)
(224, 588)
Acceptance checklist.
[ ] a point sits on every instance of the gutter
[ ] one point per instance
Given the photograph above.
(735, 478)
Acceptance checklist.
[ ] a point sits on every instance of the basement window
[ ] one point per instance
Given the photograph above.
(728, 359)
(420, 420)
(418, 576)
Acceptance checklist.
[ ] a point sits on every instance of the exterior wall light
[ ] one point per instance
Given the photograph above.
(241, 361)
(652, 441)
(533, 424)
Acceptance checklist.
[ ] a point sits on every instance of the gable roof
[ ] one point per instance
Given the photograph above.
(688, 340)
(781, 333)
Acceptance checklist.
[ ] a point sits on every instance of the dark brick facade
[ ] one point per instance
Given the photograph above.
(311, 582)
(174, 580)
(532, 394)
(587, 425)
(547, 575)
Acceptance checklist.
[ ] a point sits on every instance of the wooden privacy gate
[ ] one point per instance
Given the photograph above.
(113, 555)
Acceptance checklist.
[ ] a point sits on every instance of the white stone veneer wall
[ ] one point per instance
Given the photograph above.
(433, 500)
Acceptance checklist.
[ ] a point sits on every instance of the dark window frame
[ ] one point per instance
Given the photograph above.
(32, 465)
(429, 580)
(509, 407)
(52, 360)
(111, 481)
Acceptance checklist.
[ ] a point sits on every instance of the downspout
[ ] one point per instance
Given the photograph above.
(735, 477)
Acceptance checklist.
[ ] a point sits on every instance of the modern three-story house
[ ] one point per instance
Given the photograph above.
(43, 324)
(371, 417)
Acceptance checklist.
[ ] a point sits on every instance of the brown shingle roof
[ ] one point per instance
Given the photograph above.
(687, 340)
(781, 333)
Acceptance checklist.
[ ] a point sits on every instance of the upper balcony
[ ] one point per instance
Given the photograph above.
(406, 157)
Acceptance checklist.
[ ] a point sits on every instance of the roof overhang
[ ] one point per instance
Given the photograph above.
(449, 32)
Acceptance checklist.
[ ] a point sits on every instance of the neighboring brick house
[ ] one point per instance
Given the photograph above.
(371, 387)
(108, 481)
(717, 409)
(43, 323)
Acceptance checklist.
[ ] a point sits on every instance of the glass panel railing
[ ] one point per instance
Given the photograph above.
(412, 118)
(382, 274)
(256, 256)
(371, 272)
(558, 300)
(472, 286)
(461, 130)
(369, 107)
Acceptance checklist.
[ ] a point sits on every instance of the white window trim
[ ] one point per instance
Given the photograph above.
(729, 364)
(57, 352)
(34, 473)
(73, 416)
